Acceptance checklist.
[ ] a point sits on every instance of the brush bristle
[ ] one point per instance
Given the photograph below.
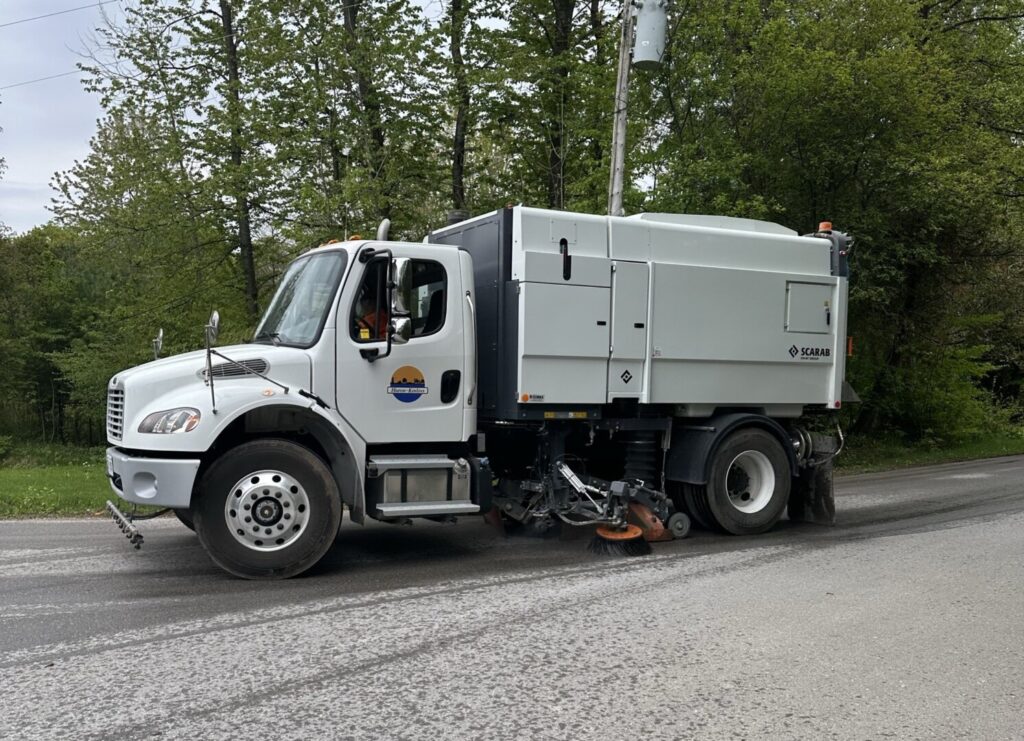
(634, 547)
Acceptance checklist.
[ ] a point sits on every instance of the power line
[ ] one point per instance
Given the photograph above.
(59, 12)
(41, 79)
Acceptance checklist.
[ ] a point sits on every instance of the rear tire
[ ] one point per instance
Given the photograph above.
(268, 509)
(749, 483)
(689, 498)
(695, 498)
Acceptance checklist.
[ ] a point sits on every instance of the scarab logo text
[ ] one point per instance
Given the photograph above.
(407, 384)
(810, 353)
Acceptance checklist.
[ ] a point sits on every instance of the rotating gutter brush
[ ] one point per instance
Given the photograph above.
(616, 536)
(625, 541)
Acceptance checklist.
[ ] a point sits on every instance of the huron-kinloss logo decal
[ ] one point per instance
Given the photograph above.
(810, 353)
(408, 384)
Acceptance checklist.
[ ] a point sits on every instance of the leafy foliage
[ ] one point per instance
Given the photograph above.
(237, 135)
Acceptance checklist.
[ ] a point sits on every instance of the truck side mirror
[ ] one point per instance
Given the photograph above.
(401, 277)
(401, 329)
(213, 328)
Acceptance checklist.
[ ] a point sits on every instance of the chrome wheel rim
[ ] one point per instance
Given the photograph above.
(750, 481)
(266, 510)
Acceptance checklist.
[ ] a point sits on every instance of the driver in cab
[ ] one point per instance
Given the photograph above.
(370, 319)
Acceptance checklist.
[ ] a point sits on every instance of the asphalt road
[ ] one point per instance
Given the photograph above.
(904, 621)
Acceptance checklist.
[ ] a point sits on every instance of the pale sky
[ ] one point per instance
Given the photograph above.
(46, 125)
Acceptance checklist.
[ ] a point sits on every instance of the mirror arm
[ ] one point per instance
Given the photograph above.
(209, 373)
(211, 336)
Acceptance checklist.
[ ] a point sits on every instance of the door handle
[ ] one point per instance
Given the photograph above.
(450, 385)
(563, 247)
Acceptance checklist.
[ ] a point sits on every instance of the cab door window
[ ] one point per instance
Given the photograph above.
(427, 301)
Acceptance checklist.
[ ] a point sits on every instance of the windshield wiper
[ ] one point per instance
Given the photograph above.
(274, 337)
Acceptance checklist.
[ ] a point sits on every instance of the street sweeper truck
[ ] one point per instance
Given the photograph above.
(541, 368)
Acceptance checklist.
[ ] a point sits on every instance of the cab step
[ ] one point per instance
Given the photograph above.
(420, 486)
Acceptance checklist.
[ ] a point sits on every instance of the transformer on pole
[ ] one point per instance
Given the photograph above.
(649, 19)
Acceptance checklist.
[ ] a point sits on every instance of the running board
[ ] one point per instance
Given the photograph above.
(425, 509)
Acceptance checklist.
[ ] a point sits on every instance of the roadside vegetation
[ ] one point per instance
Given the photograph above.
(865, 456)
(39, 480)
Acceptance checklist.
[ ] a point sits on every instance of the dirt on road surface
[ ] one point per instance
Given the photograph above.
(904, 621)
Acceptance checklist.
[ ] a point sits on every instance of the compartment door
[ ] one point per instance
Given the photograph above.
(809, 307)
(627, 377)
(563, 344)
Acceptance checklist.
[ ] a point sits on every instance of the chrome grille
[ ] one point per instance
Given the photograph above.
(230, 370)
(115, 413)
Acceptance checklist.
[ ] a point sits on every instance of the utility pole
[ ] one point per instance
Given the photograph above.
(649, 16)
(621, 106)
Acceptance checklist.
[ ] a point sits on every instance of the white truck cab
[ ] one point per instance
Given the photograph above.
(555, 354)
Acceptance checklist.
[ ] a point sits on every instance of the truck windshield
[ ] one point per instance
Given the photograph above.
(297, 314)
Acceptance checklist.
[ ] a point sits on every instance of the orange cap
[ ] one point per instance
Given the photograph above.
(825, 226)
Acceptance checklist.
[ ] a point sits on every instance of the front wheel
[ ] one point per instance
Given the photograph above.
(185, 518)
(268, 509)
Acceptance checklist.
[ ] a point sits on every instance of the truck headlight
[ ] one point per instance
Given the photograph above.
(171, 421)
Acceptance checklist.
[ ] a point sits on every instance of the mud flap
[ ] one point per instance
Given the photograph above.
(812, 498)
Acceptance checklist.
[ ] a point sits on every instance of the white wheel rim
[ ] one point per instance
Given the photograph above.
(750, 481)
(266, 510)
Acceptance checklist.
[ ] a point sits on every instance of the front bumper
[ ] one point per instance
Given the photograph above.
(164, 482)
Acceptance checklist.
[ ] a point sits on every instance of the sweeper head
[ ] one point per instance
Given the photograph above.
(625, 541)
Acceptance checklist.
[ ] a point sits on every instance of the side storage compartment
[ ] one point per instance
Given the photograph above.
(564, 333)
(628, 364)
(563, 343)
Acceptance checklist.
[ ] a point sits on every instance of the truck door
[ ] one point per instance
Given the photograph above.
(628, 358)
(417, 393)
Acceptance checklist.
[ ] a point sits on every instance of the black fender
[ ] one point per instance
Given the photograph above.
(694, 443)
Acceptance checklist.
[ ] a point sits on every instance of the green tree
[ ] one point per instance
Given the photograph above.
(895, 122)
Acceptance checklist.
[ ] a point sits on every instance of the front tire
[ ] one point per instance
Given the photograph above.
(748, 484)
(268, 509)
(185, 518)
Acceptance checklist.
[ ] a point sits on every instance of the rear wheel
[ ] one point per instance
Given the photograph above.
(268, 509)
(748, 485)
(689, 498)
